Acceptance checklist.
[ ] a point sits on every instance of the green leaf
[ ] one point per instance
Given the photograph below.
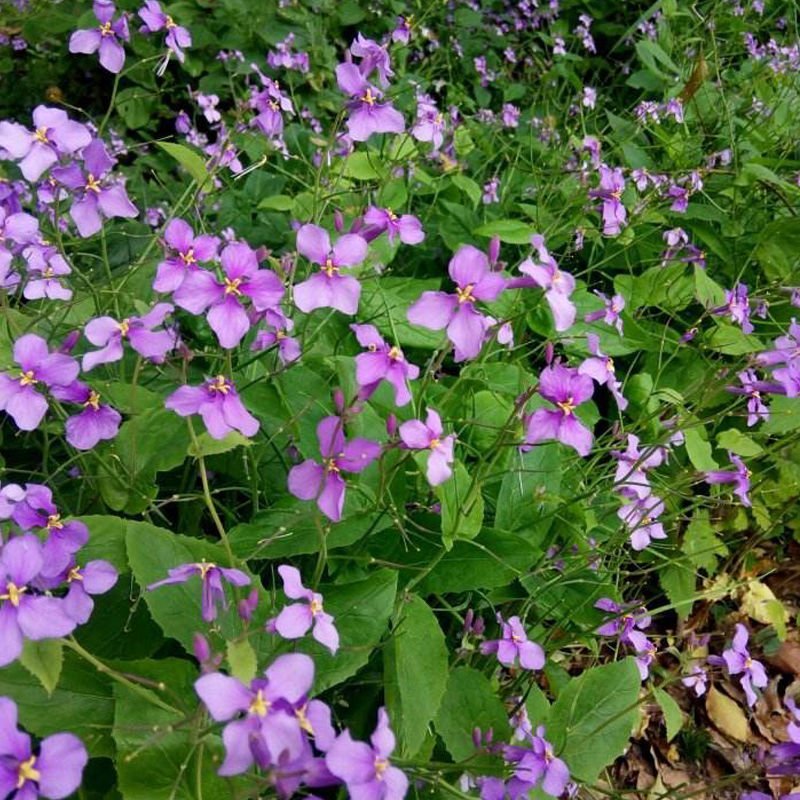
(701, 544)
(462, 506)
(363, 166)
(44, 660)
(208, 446)
(735, 441)
(469, 701)
(679, 581)
(82, 703)
(698, 449)
(673, 716)
(278, 202)
(784, 416)
(106, 540)
(415, 670)
(708, 292)
(511, 231)
(732, 341)
(593, 716)
(530, 489)
(469, 187)
(194, 164)
(241, 660)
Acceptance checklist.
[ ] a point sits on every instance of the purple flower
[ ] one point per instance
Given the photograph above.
(626, 626)
(328, 288)
(54, 135)
(789, 380)
(97, 421)
(601, 369)
(96, 577)
(490, 191)
(264, 726)
(218, 403)
(738, 661)
(753, 389)
(534, 766)
(107, 333)
(696, 680)
(19, 397)
(367, 115)
(202, 290)
(510, 115)
(633, 465)
(155, 20)
(281, 325)
(324, 482)
(94, 195)
(54, 772)
(514, 645)
(382, 363)
(430, 123)
(212, 578)
(16, 230)
(466, 327)
(612, 185)
(429, 435)
(737, 306)
(45, 266)
(104, 38)
(566, 388)
(680, 198)
(407, 226)
(366, 769)
(740, 476)
(374, 57)
(558, 285)
(295, 620)
(786, 349)
(190, 250)
(24, 614)
(610, 313)
(641, 518)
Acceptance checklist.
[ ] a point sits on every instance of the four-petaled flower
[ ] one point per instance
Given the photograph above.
(382, 362)
(612, 185)
(514, 645)
(190, 250)
(105, 38)
(367, 114)
(406, 226)
(738, 661)
(324, 482)
(429, 436)
(156, 20)
(740, 476)
(97, 422)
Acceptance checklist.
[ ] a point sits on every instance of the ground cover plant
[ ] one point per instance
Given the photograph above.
(399, 400)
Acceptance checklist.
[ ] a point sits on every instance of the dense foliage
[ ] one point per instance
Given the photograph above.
(399, 404)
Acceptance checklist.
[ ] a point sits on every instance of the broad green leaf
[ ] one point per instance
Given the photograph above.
(469, 187)
(278, 202)
(44, 659)
(511, 231)
(701, 544)
(730, 340)
(470, 701)
(462, 506)
(363, 166)
(673, 716)
(208, 446)
(707, 291)
(593, 716)
(194, 164)
(679, 581)
(530, 489)
(82, 703)
(735, 441)
(106, 540)
(242, 661)
(698, 449)
(415, 672)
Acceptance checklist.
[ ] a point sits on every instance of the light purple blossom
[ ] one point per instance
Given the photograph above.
(366, 769)
(754, 389)
(54, 771)
(633, 465)
(737, 306)
(610, 313)
(466, 326)
(557, 284)
(219, 405)
(627, 625)
(223, 300)
(382, 362)
(295, 620)
(600, 368)
(566, 388)
(95, 194)
(156, 20)
(54, 135)
(212, 578)
(45, 267)
(96, 577)
(490, 191)
(534, 766)
(640, 516)
(328, 288)
(429, 436)
(612, 185)
(696, 680)
(373, 57)
(25, 614)
(20, 395)
(430, 124)
(514, 645)
(190, 250)
(324, 482)
(367, 115)
(407, 227)
(97, 422)
(740, 476)
(107, 334)
(738, 661)
(105, 38)
(279, 328)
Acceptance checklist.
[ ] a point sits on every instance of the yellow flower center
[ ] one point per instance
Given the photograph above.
(54, 521)
(395, 353)
(13, 593)
(124, 326)
(567, 407)
(169, 23)
(434, 443)
(329, 268)
(204, 567)
(381, 765)
(465, 295)
(74, 575)
(40, 135)
(392, 216)
(27, 378)
(91, 184)
(368, 98)
(232, 286)
(331, 465)
(26, 772)
(188, 256)
(219, 384)
(48, 273)
(105, 29)
(315, 607)
(616, 194)
(93, 401)
(259, 706)
(300, 713)
(610, 364)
